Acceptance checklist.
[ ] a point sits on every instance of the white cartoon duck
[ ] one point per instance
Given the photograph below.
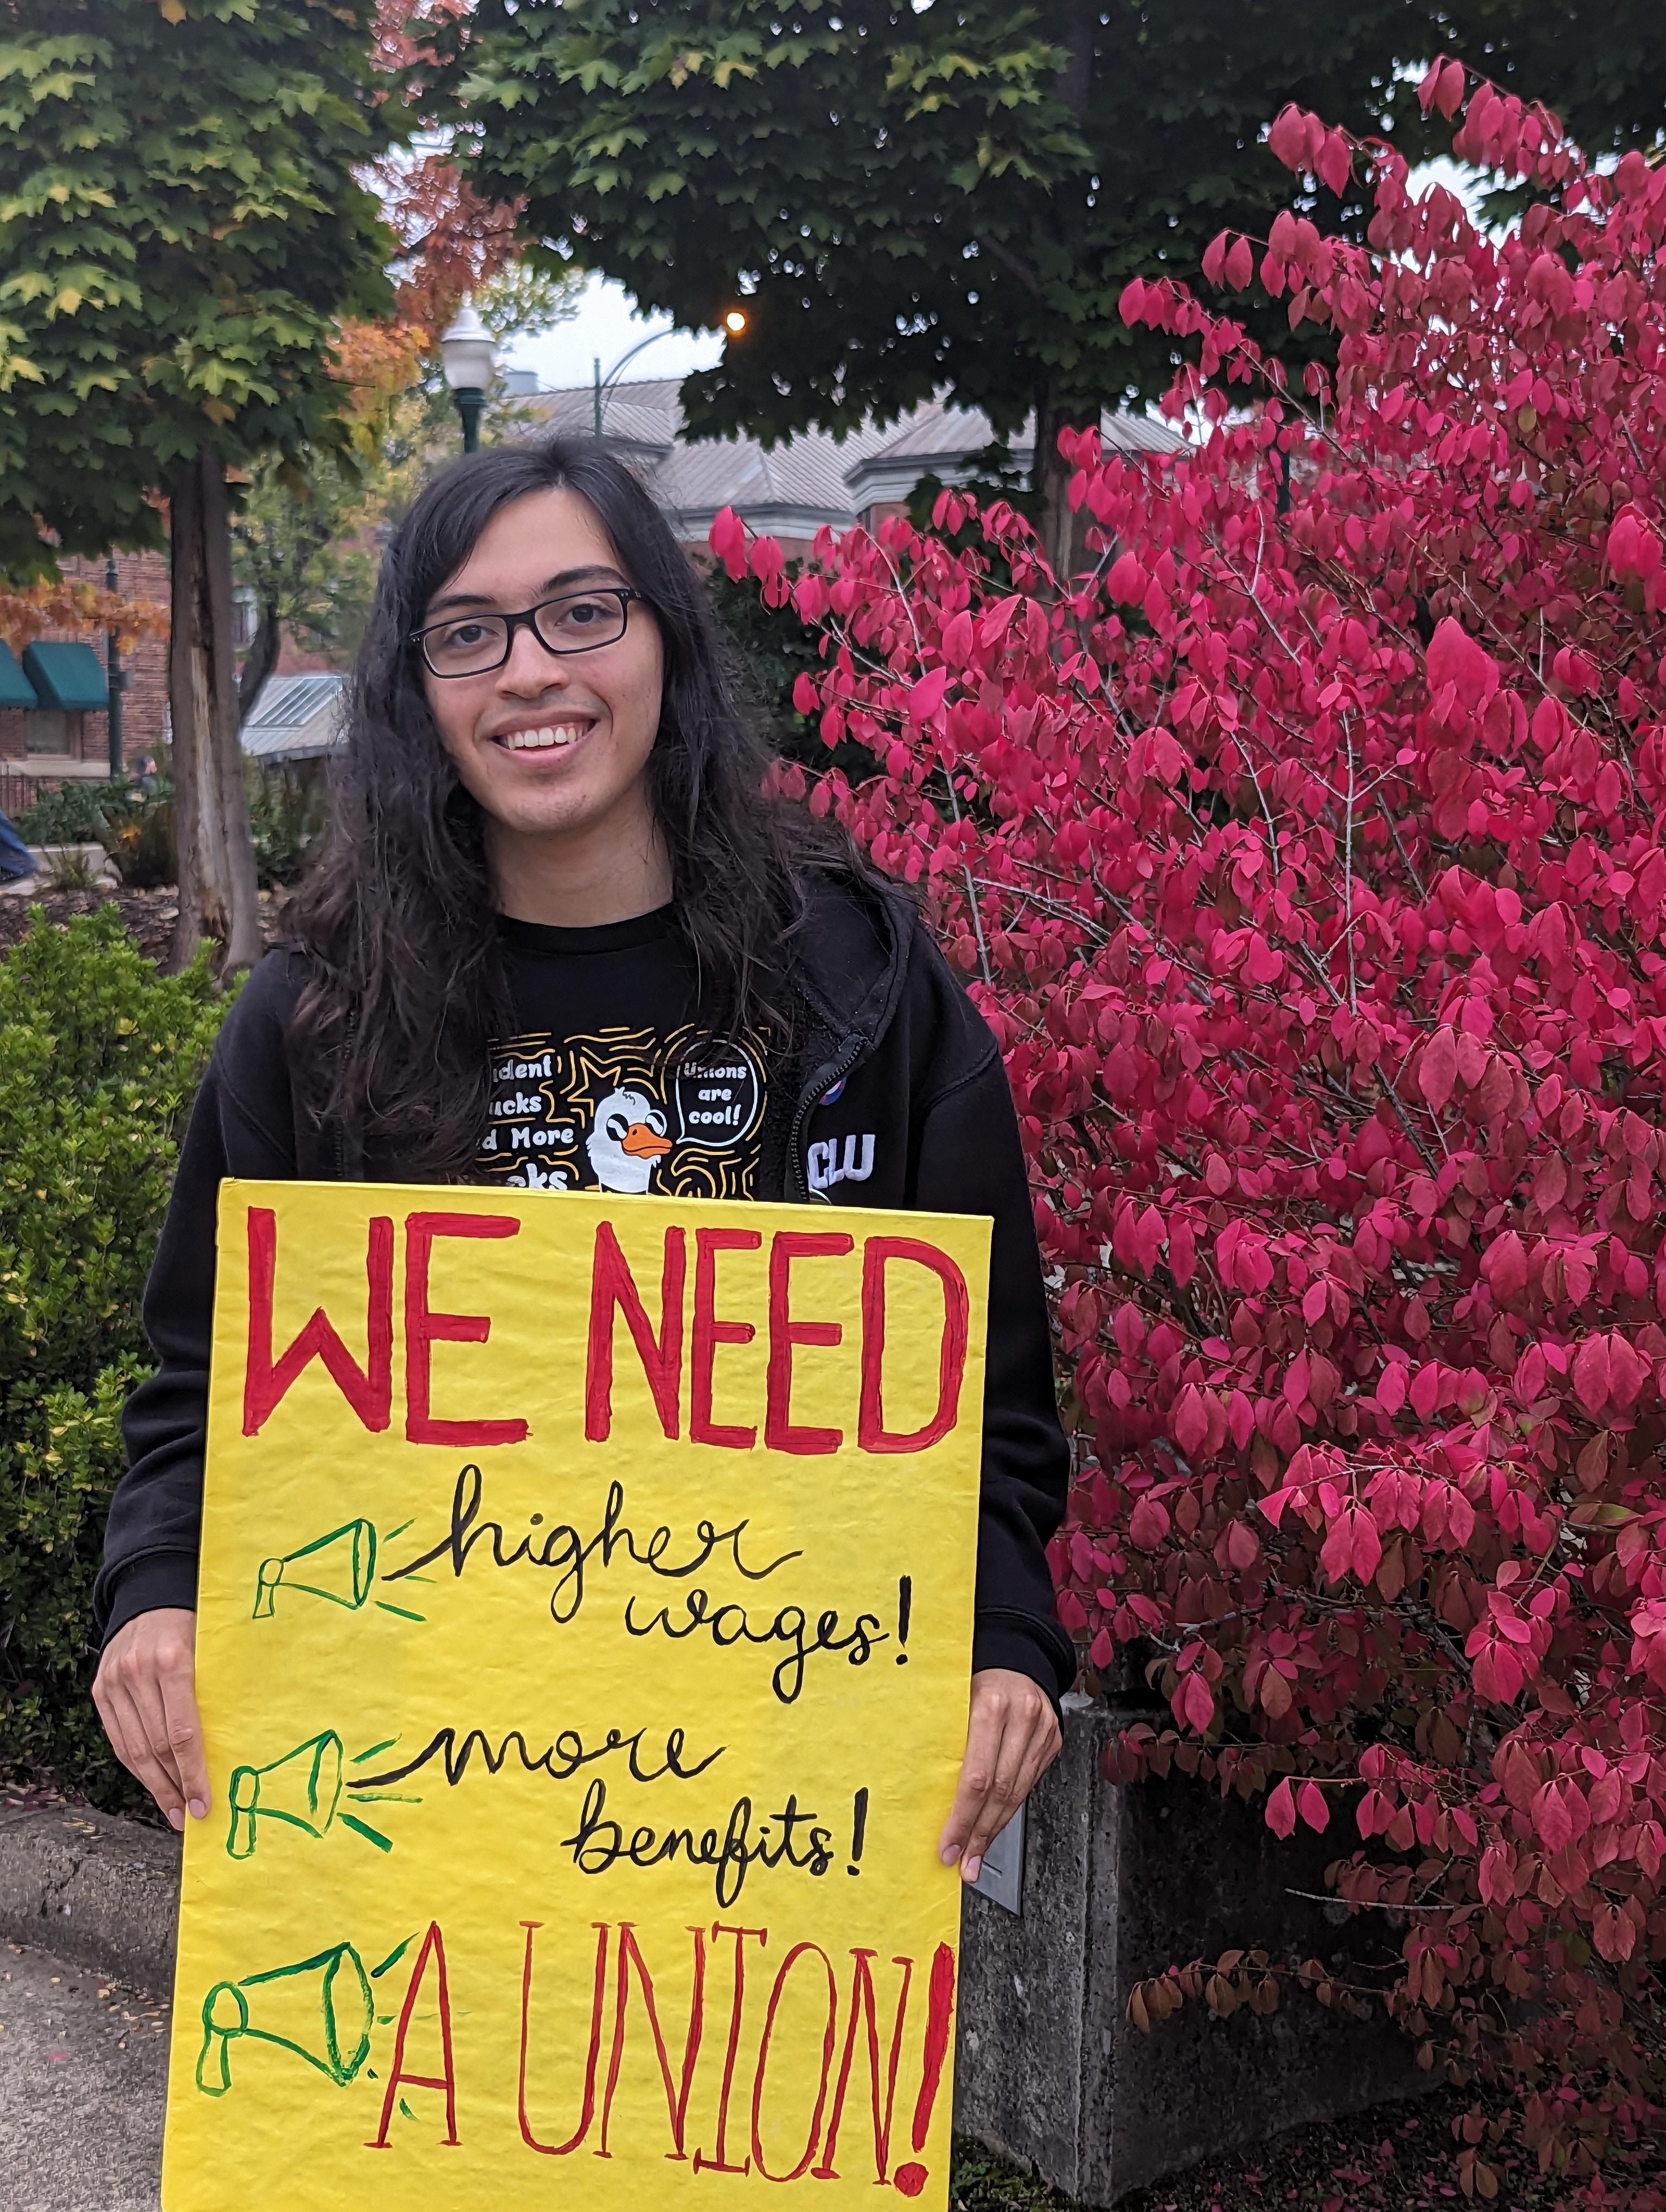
(626, 1138)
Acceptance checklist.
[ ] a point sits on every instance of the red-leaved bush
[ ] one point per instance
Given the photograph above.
(1304, 853)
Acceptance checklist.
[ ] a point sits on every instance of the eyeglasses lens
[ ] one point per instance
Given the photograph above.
(467, 647)
(578, 624)
(476, 643)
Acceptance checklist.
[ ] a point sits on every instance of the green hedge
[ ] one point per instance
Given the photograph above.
(134, 823)
(100, 1053)
(76, 813)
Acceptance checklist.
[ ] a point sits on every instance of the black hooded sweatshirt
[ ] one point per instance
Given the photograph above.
(894, 1095)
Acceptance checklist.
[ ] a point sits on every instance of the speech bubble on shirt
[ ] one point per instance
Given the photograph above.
(717, 1090)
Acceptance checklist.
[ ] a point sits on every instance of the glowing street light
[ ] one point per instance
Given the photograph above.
(469, 357)
(602, 386)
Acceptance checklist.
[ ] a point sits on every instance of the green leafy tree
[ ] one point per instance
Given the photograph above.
(917, 198)
(300, 546)
(181, 234)
(303, 537)
(908, 202)
(526, 297)
(1601, 64)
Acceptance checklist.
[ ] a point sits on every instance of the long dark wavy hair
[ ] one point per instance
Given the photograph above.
(389, 1034)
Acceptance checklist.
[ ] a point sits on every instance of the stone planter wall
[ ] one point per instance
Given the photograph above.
(1120, 1883)
(101, 1892)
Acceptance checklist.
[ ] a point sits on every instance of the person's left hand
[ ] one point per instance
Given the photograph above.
(1012, 1739)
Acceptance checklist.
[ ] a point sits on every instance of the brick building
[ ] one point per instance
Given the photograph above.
(54, 697)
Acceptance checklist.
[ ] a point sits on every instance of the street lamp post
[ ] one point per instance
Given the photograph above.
(603, 387)
(468, 358)
(113, 677)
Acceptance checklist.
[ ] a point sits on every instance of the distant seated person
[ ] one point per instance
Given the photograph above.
(16, 861)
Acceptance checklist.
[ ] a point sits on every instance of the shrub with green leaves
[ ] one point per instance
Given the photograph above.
(288, 819)
(133, 822)
(100, 1054)
(76, 813)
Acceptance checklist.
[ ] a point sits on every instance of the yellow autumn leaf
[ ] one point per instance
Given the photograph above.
(173, 11)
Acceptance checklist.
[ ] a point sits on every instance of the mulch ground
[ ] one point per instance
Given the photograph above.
(149, 915)
(1395, 2158)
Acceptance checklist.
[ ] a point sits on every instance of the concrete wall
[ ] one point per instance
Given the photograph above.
(100, 1892)
(1119, 1884)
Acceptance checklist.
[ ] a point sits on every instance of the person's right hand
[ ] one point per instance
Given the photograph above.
(146, 1696)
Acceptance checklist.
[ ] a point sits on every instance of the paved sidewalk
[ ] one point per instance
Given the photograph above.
(84, 2067)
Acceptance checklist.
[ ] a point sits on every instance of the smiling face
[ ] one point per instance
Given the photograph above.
(555, 748)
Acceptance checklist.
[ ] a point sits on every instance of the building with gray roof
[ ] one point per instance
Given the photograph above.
(296, 717)
(810, 480)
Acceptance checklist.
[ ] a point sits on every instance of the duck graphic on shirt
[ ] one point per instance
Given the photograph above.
(627, 1141)
(677, 1113)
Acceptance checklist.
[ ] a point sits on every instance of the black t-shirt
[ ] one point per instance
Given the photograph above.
(610, 1082)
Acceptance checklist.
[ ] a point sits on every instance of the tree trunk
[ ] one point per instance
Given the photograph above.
(1064, 535)
(218, 894)
(262, 659)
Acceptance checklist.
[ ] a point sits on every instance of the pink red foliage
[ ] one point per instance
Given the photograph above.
(451, 240)
(1305, 852)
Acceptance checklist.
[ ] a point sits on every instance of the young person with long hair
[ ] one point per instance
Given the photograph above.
(561, 938)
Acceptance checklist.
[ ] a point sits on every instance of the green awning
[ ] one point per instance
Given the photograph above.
(70, 676)
(15, 689)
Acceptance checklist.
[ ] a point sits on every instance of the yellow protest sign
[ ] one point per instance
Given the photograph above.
(583, 1639)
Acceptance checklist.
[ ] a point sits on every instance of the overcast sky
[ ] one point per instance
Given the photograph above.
(606, 325)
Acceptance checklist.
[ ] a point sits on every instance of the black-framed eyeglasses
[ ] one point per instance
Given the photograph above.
(577, 622)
